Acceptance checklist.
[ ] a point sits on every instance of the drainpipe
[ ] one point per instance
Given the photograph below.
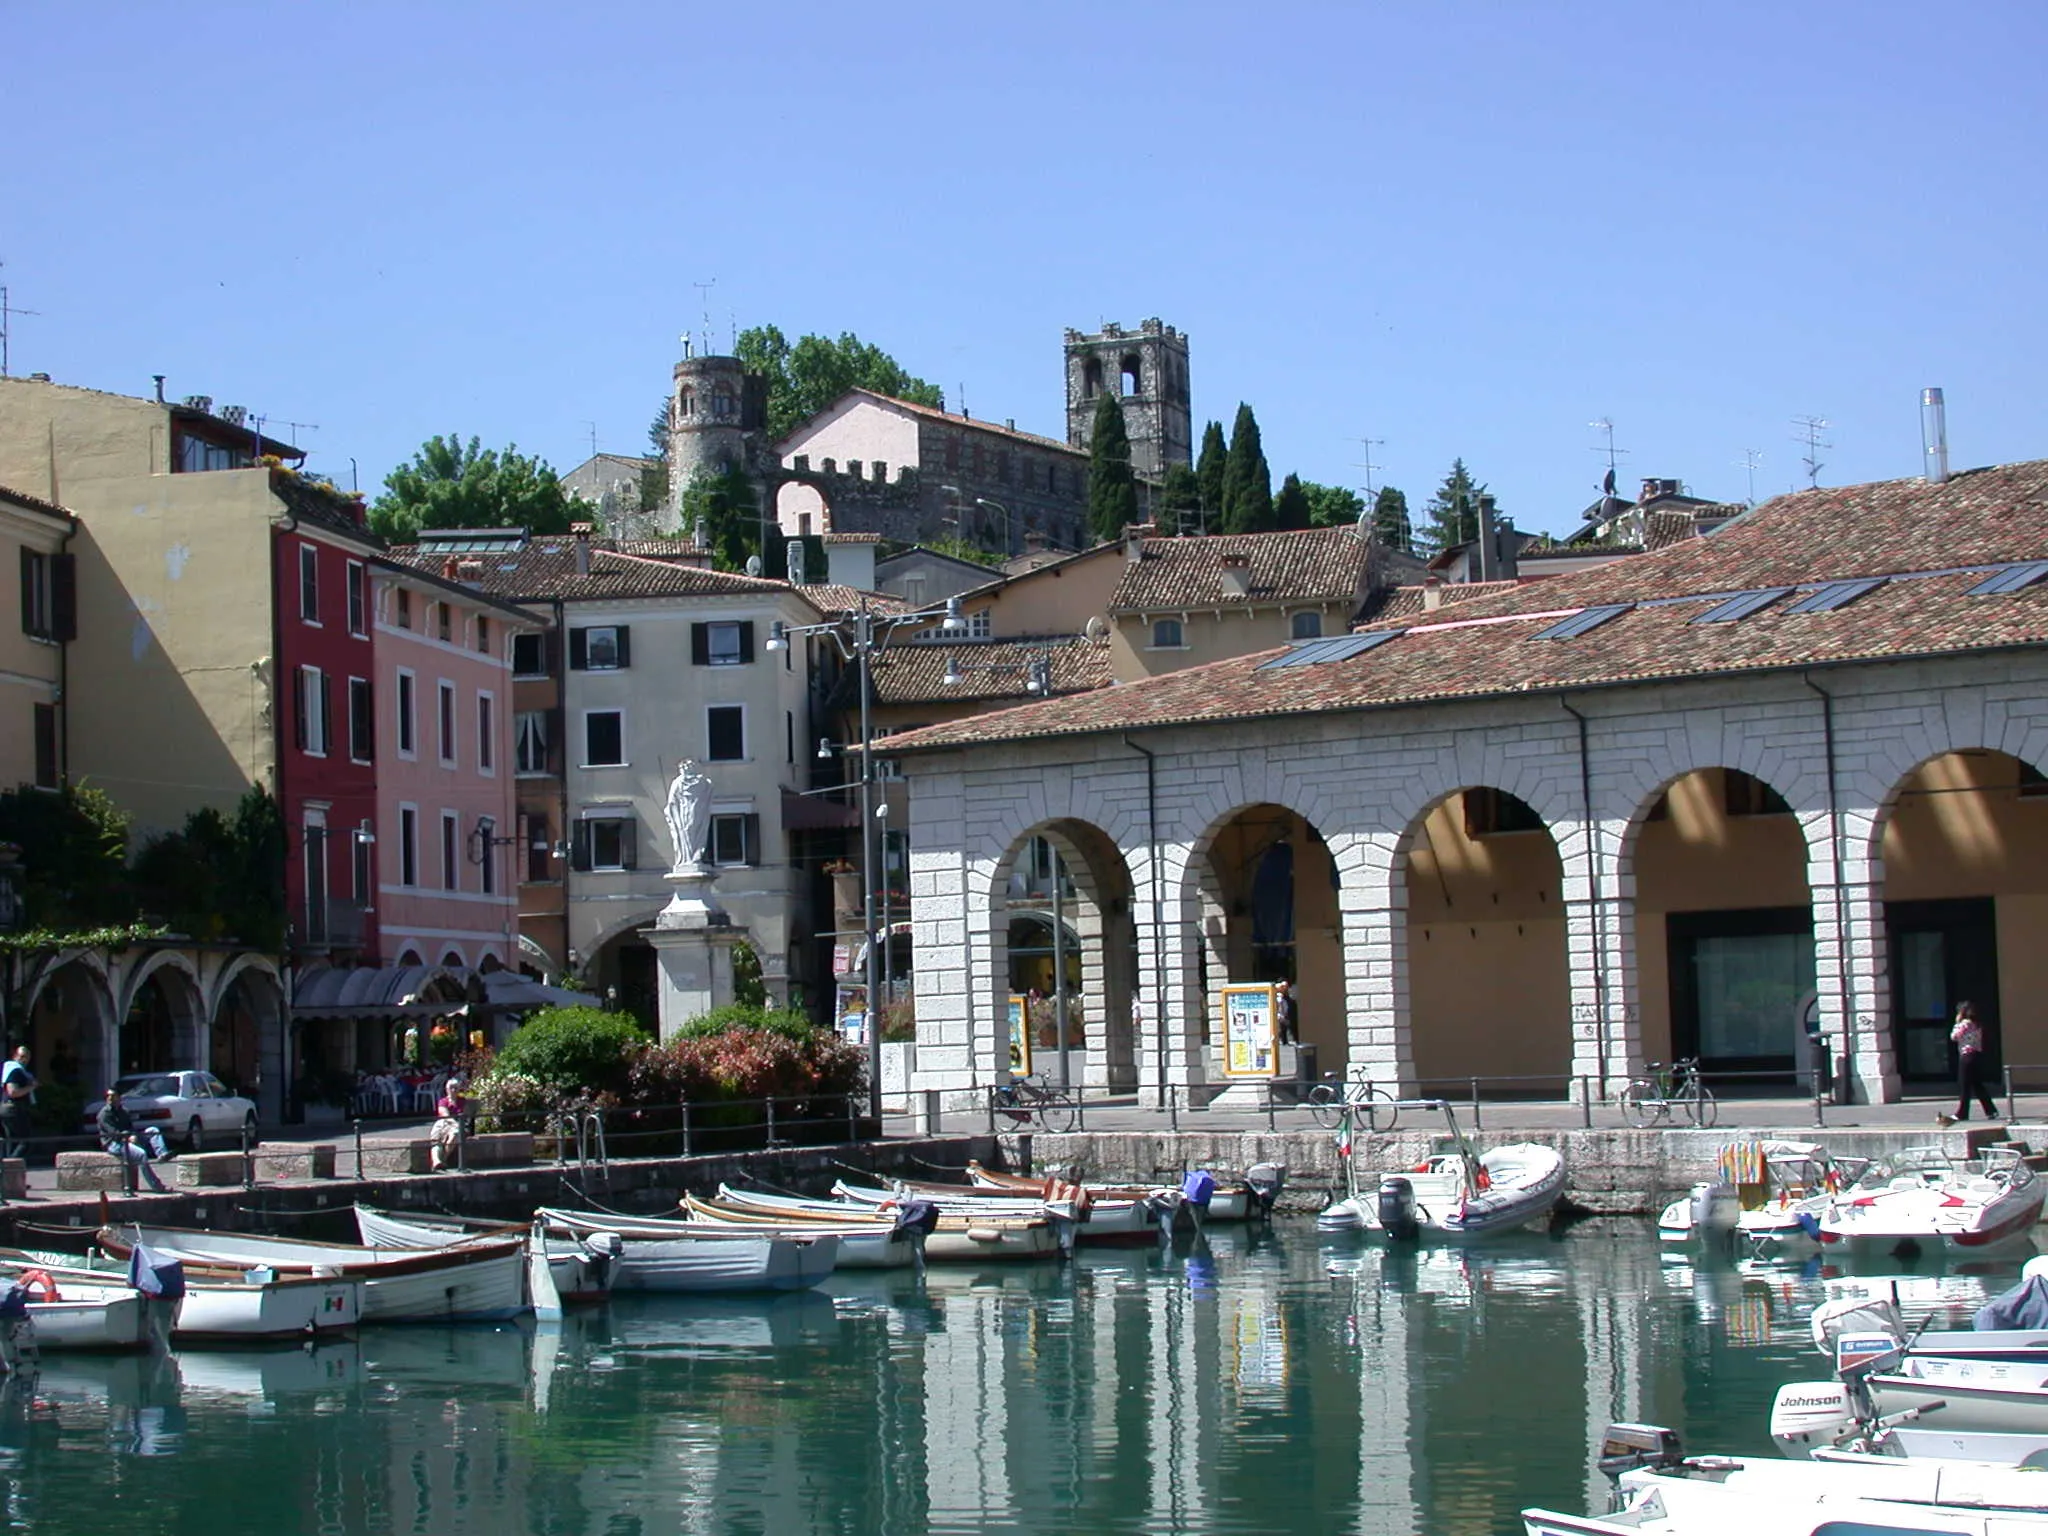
(563, 839)
(1599, 901)
(1158, 933)
(1844, 1072)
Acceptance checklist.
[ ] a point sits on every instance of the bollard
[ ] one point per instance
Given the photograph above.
(357, 1122)
(1476, 1125)
(991, 1111)
(1820, 1077)
(1172, 1106)
(248, 1161)
(852, 1120)
(2011, 1106)
(461, 1147)
(1582, 1089)
(684, 1105)
(1081, 1111)
(770, 1102)
(934, 1116)
(128, 1185)
(1269, 1106)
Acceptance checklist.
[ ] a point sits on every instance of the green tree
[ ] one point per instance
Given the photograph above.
(1247, 482)
(450, 484)
(1291, 509)
(1112, 488)
(722, 509)
(576, 1049)
(1179, 502)
(1453, 511)
(1331, 506)
(73, 853)
(1209, 468)
(654, 476)
(1390, 519)
(805, 378)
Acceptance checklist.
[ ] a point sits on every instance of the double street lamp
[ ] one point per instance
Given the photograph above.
(859, 635)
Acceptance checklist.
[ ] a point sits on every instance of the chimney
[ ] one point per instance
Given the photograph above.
(1237, 575)
(1432, 593)
(1934, 436)
(1134, 542)
(581, 533)
(159, 387)
(1489, 541)
(449, 567)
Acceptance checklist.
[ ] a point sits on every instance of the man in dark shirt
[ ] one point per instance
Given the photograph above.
(117, 1132)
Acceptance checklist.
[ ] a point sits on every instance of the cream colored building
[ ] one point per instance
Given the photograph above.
(35, 534)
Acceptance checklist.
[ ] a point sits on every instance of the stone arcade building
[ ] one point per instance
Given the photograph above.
(1782, 778)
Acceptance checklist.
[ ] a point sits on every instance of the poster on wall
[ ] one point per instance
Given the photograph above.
(1248, 1045)
(1020, 1037)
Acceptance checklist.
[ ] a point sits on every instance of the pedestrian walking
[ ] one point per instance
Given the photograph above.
(17, 1096)
(1968, 1036)
(1289, 1012)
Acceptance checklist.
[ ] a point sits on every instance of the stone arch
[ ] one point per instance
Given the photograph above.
(1479, 943)
(451, 958)
(623, 968)
(162, 1017)
(1062, 879)
(70, 1013)
(536, 952)
(246, 1013)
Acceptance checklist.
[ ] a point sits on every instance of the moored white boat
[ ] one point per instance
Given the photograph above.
(84, 1315)
(583, 1266)
(1230, 1200)
(668, 1259)
(1094, 1221)
(476, 1282)
(1931, 1201)
(862, 1245)
(1454, 1195)
(959, 1238)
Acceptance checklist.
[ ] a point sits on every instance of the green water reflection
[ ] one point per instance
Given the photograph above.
(1256, 1383)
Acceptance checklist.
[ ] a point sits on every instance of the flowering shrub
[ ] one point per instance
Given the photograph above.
(574, 1050)
(739, 1063)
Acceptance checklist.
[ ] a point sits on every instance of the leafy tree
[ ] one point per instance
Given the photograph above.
(1291, 507)
(1390, 519)
(571, 1049)
(1178, 506)
(450, 484)
(1453, 511)
(654, 477)
(74, 855)
(723, 510)
(1112, 488)
(1247, 482)
(963, 549)
(805, 378)
(1209, 468)
(1331, 506)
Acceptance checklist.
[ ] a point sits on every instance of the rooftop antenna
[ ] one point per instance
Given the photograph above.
(704, 299)
(7, 310)
(732, 334)
(1810, 429)
(1613, 453)
(963, 397)
(1751, 457)
(593, 437)
(1367, 464)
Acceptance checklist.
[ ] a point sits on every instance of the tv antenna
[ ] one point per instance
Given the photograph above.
(7, 310)
(1751, 457)
(1367, 464)
(1606, 426)
(1810, 429)
(704, 301)
(593, 437)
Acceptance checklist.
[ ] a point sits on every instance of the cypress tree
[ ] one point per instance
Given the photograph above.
(1180, 501)
(1454, 510)
(1390, 519)
(1247, 482)
(1290, 507)
(1209, 477)
(1112, 489)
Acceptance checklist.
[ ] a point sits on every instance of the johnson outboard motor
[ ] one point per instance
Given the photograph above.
(1266, 1181)
(1397, 1209)
(601, 1251)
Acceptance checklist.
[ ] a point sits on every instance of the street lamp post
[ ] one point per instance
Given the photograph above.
(859, 635)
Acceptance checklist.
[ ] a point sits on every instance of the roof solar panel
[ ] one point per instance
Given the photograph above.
(1836, 594)
(1571, 627)
(2012, 579)
(1741, 605)
(1331, 648)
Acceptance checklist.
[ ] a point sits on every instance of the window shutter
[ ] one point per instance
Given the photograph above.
(46, 746)
(746, 640)
(28, 590)
(579, 651)
(629, 837)
(753, 837)
(326, 713)
(700, 643)
(625, 647)
(579, 845)
(555, 744)
(551, 651)
(299, 707)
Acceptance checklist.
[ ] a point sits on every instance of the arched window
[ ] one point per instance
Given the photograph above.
(686, 402)
(1133, 380)
(1091, 378)
(1307, 626)
(1166, 635)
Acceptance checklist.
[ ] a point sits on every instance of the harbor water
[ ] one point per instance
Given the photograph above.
(1252, 1381)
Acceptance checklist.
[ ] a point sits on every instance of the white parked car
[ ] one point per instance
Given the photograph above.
(188, 1107)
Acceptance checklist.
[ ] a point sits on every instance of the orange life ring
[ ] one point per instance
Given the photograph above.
(39, 1284)
(1481, 1179)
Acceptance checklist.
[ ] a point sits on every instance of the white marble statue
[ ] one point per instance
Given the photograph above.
(688, 812)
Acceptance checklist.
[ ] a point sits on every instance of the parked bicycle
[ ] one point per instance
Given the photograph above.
(1330, 1100)
(1666, 1092)
(1031, 1098)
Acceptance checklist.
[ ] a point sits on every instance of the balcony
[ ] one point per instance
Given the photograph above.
(336, 923)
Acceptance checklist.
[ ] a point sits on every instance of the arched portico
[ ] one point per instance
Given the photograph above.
(71, 1023)
(246, 1032)
(163, 1018)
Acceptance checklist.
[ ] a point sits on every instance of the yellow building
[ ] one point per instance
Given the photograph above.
(33, 639)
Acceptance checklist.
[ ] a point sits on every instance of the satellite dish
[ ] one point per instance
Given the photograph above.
(1096, 629)
(753, 565)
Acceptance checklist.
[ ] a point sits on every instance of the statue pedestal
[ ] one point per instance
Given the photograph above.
(692, 939)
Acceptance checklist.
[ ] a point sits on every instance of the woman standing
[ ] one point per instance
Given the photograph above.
(1968, 1036)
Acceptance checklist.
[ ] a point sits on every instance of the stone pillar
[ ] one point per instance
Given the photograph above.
(1169, 1044)
(692, 938)
(1600, 955)
(1852, 963)
(1373, 911)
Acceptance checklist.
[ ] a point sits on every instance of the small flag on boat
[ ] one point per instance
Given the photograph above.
(1344, 1135)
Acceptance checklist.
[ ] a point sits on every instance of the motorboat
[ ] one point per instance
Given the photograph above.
(1227, 1198)
(1658, 1488)
(666, 1255)
(959, 1237)
(1930, 1201)
(220, 1305)
(1455, 1194)
(582, 1266)
(1761, 1188)
(473, 1282)
(1106, 1220)
(862, 1244)
(77, 1310)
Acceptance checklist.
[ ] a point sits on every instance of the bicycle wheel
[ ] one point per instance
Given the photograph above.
(1382, 1110)
(1057, 1112)
(1324, 1104)
(1702, 1110)
(1641, 1102)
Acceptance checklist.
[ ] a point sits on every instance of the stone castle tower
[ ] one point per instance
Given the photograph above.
(717, 414)
(1149, 370)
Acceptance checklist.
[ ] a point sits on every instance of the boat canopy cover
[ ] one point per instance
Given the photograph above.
(2025, 1306)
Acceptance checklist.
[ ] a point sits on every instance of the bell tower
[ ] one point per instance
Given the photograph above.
(716, 414)
(1148, 370)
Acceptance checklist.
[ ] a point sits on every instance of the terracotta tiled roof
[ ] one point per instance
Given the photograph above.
(546, 569)
(1490, 646)
(1315, 565)
(914, 672)
(952, 419)
(837, 597)
(33, 503)
(662, 549)
(314, 502)
(1408, 603)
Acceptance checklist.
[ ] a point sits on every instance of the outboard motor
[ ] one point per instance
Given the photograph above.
(1397, 1209)
(1266, 1181)
(1626, 1447)
(601, 1251)
(1810, 1414)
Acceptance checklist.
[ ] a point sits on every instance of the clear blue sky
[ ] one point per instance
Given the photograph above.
(1465, 229)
